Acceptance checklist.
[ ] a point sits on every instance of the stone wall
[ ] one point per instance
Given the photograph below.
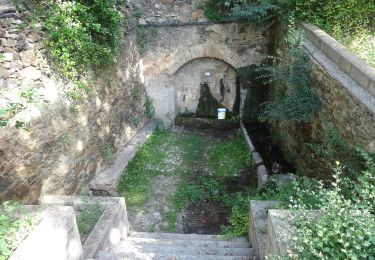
(168, 11)
(61, 146)
(182, 51)
(347, 104)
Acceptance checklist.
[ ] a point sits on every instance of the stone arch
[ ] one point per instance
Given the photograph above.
(206, 51)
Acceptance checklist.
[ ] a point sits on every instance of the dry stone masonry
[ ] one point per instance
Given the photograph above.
(61, 149)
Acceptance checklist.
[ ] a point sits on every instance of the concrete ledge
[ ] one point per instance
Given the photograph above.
(258, 225)
(112, 226)
(55, 237)
(280, 231)
(105, 183)
(257, 161)
(262, 176)
(357, 69)
(205, 123)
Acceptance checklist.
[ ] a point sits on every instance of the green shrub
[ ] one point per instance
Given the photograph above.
(149, 107)
(345, 228)
(81, 36)
(290, 69)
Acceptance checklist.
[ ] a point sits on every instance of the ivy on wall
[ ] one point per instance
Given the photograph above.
(290, 69)
(82, 35)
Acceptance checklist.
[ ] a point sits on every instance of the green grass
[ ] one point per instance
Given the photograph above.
(204, 166)
(15, 224)
(87, 218)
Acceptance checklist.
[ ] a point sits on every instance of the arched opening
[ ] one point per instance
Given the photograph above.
(203, 84)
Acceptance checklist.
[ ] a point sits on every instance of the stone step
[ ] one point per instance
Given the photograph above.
(126, 248)
(153, 256)
(196, 243)
(175, 236)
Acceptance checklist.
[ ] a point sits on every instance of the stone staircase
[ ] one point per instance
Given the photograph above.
(169, 246)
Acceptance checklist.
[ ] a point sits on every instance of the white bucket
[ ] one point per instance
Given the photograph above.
(221, 113)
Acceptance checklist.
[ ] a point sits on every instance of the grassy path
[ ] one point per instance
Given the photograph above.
(177, 168)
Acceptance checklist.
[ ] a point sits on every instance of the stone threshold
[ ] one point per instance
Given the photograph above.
(111, 228)
(105, 183)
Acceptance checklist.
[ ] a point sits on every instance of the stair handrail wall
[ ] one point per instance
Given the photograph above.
(361, 72)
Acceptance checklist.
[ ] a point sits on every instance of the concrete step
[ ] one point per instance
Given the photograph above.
(153, 256)
(126, 247)
(175, 236)
(182, 243)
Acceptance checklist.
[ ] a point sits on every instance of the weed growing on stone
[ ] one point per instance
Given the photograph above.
(106, 152)
(87, 218)
(15, 224)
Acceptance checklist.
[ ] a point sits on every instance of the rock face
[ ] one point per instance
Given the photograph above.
(60, 147)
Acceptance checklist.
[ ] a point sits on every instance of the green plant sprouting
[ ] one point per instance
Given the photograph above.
(18, 103)
(15, 224)
(345, 224)
(88, 217)
(290, 69)
(81, 36)
(149, 107)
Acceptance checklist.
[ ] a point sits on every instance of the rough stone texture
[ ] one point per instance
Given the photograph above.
(61, 150)
(168, 11)
(262, 176)
(361, 72)
(280, 231)
(349, 106)
(105, 182)
(256, 159)
(55, 237)
(111, 228)
(258, 225)
(179, 57)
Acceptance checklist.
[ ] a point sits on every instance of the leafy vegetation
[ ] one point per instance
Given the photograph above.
(106, 151)
(290, 69)
(357, 33)
(346, 223)
(19, 102)
(87, 218)
(15, 224)
(82, 34)
(149, 107)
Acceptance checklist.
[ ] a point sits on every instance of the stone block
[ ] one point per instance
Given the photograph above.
(8, 56)
(283, 178)
(371, 87)
(31, 73)
(55, 237)
(262, 176)
(344, 63)
(258, 225)
(330, 51)
(111, 228)
(256, 159)
(196, 15)
(359, 76)
(280, 231)
(105, 182)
